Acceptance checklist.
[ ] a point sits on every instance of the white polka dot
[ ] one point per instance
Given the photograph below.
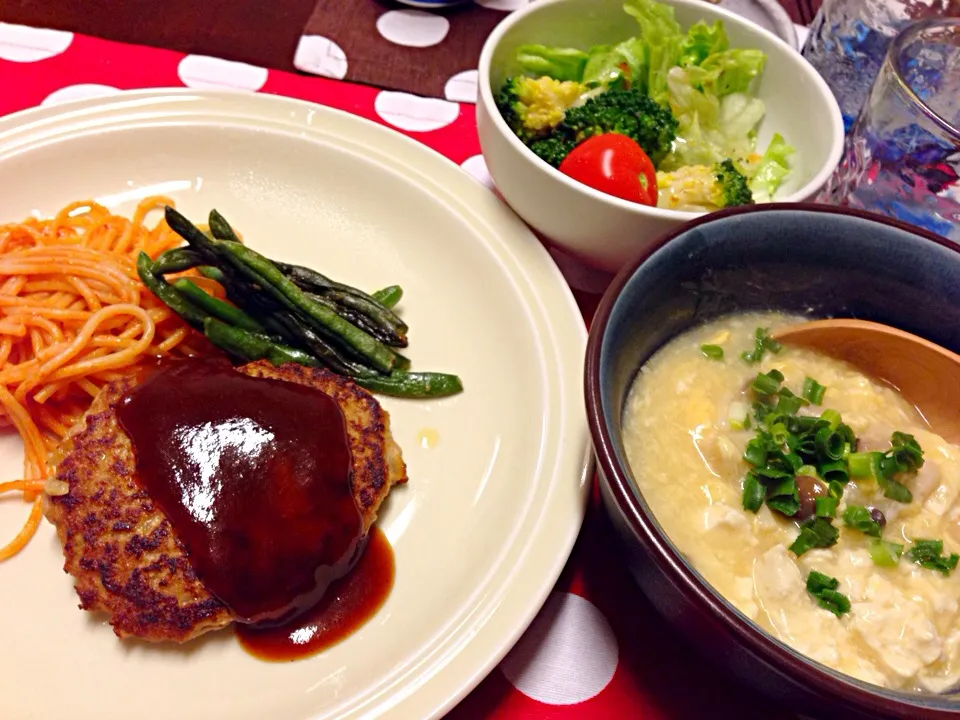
(19, 43)
(477, 167)
(320, 56)
(203, 73)
(411, 112)
(504, 5)
(568, 655)
(413, 28)
(462, 87)
(79, 92)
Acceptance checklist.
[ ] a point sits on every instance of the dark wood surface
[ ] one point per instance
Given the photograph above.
(260, 32)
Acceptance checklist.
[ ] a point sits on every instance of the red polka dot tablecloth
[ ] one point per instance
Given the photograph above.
(597, 649)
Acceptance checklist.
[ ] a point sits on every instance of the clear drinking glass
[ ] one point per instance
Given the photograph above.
(849, 38)
(902, 156)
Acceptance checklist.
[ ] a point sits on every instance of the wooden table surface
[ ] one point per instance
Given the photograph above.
(260, 32)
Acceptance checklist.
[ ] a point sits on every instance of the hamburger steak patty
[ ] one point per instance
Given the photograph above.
(121, 548)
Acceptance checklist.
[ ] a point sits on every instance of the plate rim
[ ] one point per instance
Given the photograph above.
(447, 685)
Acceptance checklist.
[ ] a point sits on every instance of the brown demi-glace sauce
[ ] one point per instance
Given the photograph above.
(254, 475)
(347, 605)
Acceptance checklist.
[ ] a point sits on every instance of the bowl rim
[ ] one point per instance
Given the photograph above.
(485, 100)
(838, 689)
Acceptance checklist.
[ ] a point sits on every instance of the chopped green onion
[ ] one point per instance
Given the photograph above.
(807, 423)
(760, 411)
(762, 343)
(885, 554)
(776, 418)
(835, 472)
(905, 453)
(813, 391)
(829, 443)
(832, 418)
(824, 589)
(788, 404)
(865, 464)
(928, 554)
(816, 533)
(714, 352)
(753, 493)
(894, 490)
(772, 474)
(849, 437)
(784, 496)
(794, 461)
(808, 470)
(888, 466)
(825, 507)
(858, 517)
(835, 490)
(756, 452)
(779, 433)
(766, 383)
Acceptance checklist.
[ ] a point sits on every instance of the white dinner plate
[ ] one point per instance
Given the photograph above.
(483, 528)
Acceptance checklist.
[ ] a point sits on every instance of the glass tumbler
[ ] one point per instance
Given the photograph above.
(902, 156)
(849, 38)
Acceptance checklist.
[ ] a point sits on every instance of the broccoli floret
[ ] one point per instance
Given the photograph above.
(703, 187)
(628, 112)
(532, 107)
(510, 107)
(553, 148)
(733, 184)
(542, 113)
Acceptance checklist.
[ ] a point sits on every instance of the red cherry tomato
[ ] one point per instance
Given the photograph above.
(613, 164)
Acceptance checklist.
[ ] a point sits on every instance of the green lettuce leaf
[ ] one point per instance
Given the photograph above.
(732, 71)
(558, 63)
(616, 66)
(768, 173)
(702, 41)
(657, 21)
(710, 128)
(664, 42)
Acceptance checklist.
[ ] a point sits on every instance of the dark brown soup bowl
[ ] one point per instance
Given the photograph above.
(793, 258)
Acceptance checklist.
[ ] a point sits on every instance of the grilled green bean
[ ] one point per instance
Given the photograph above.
(197, 239)
(307, 279)
(383, 332)
(388, 296)
(214, 273)
(220, 228)
(168, 294)
(253, 346)
(177, 260)
(269, 278)
(413, 384)
(217, 308)
(324, 350)
(379, 315)
(311, 319)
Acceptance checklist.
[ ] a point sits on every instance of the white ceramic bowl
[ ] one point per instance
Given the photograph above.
(605, 231)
